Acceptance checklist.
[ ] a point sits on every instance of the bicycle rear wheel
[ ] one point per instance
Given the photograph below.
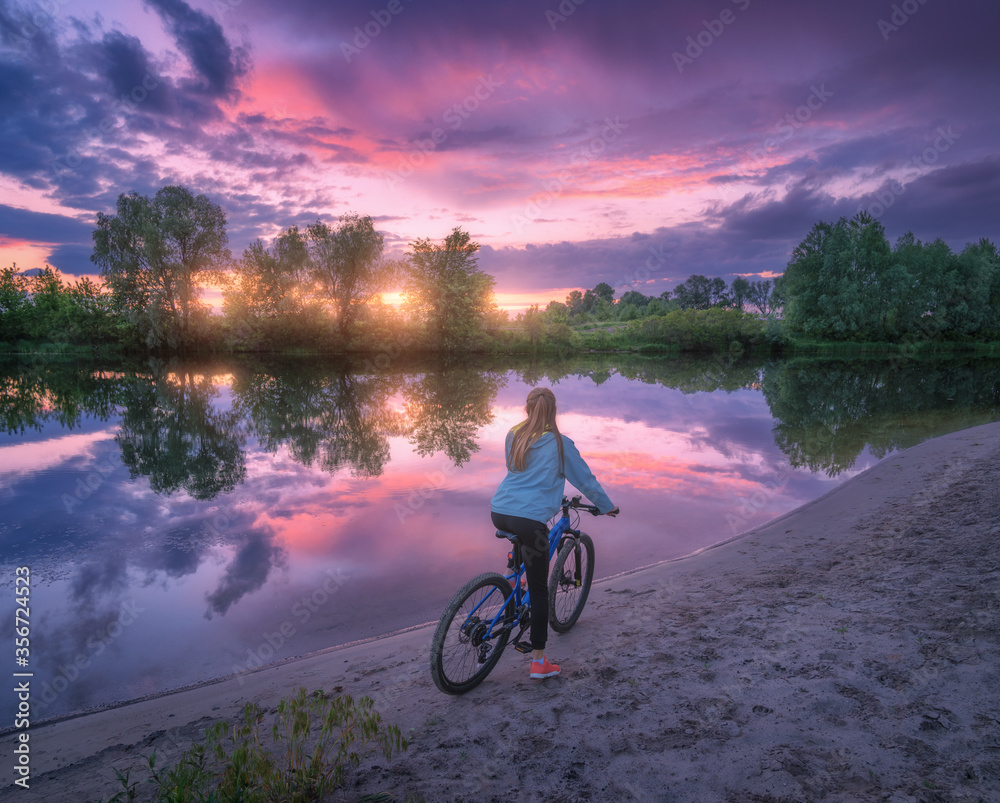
(569, 582)
(460, 657)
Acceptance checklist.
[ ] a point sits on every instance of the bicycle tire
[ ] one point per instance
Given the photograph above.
(456, 664)
(568, 592)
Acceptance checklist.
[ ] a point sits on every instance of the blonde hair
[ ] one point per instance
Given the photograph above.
(541, 410)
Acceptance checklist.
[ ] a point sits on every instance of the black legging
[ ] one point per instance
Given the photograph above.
(533, 537)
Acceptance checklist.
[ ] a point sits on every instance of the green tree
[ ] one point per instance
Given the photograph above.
(739, 292)
(627, 311)
(14, 304)
(267, 281)
(533, 323)
(557, 312)
(700, 292)
(152, 255)
(844, 282)
(265, 298)
(447, 290)
(605, 291)
(762, 296)
(574, 301)
(634, 298)
(603, 311)
(349, 266)
(91, 312)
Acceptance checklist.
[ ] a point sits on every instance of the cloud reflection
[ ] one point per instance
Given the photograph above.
(237, 510)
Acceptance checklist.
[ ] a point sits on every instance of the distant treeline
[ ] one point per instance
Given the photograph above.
(319, 290)
(845, 282)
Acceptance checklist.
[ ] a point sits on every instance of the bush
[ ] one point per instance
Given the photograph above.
(314, 741)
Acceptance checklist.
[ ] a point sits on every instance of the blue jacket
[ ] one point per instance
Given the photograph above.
(536, 492)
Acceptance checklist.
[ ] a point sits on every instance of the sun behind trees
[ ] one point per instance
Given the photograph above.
(322, 290)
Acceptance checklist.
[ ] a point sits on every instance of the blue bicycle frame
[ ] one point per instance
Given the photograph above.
(521, 597)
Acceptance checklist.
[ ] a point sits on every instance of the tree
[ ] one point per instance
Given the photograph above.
(575, 302)
(635, 298)
(739, 292)
(605, 291)
(348, 265)
(557, 312)
(533, 323)
(761, 295)
(152, 255)
(14, 304)
(700, 292)
(267, 281)
(603, 311)
(446, 288)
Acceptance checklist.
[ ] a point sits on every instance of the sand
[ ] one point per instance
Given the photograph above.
(846, 651)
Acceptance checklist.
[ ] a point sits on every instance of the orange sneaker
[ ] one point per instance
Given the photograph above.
(543, 669)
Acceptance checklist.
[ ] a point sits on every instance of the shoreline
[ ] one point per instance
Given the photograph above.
(846, 650)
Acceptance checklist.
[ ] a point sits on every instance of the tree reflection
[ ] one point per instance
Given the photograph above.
(446, 408)
(327, 417)
(683, 373)
(171, 433)
(827, 412)
(35, 392)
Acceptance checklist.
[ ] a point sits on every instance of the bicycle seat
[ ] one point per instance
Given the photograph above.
(504, 534)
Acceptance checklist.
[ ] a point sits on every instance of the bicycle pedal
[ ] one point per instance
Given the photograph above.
(520, 646)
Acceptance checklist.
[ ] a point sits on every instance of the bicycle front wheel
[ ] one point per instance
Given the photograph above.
(569, 582)
(461, 656)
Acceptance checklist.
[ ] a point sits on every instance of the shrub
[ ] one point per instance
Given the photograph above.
(314, 741)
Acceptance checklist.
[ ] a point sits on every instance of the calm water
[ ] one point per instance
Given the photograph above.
(183, 522)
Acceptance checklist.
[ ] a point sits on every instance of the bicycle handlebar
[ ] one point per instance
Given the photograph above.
(593, 510)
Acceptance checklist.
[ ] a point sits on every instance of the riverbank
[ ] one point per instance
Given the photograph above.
(845, 651)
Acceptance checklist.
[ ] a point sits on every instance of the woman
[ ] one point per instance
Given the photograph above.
(539, 461)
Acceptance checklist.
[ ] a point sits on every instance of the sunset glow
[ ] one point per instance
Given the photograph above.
(567, 149)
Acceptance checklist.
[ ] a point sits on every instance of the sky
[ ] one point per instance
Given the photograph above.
(633, 143)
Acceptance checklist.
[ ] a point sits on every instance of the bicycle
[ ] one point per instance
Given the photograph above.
(477, 623)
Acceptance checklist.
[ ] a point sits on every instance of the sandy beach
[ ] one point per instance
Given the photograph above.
(847, 651)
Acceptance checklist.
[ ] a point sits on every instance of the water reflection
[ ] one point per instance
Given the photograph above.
(207, 502)
(827, 413)
(445, 410)
(172, 433)
(328, 417)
